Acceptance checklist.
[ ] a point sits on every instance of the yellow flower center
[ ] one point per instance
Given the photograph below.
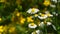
(33, 9)
(42, 15)
(48, 14)
(32, 24)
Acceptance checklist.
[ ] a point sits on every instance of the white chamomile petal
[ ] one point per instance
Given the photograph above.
(32, 26)
(49, 23)
(51, 15)
(29, 11)
(42, 17)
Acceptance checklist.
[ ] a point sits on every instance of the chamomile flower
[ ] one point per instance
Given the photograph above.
(33, 10)
(32, 25)
(43, 16)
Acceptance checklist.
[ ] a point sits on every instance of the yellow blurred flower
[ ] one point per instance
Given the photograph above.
(2, 0)
(22, 20)
(29, 19)
(11, 29)
(1, 29)
(12, 19)
(5, 28)
(46, 3)
(0, 19)
(36, 15)
(18, 14)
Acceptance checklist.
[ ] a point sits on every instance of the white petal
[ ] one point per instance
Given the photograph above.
(29, 11)
(38, 31)
(45, 16)
(40, 17)
(51, 15)
(49, 23)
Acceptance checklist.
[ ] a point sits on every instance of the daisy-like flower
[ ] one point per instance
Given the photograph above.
(37, 32)
(33, 10)
(32, 25)
(46, 3)
(29, 19)
(43, 16)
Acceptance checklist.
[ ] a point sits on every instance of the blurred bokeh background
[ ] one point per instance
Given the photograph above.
(14, 18)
